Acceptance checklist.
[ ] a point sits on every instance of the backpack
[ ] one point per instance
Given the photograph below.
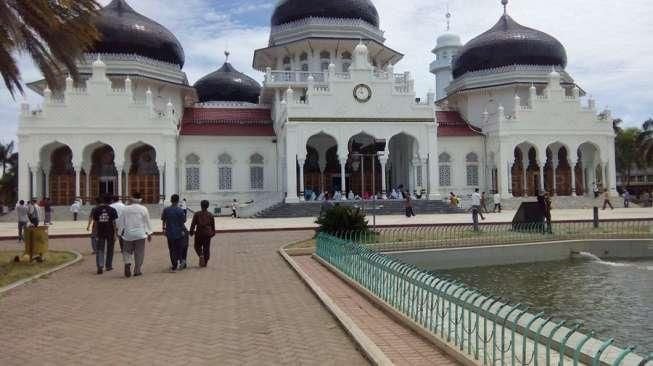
(204, 227)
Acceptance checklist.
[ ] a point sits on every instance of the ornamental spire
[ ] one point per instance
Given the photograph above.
(448, 18)
(505, 6)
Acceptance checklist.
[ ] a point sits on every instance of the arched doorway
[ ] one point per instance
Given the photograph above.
(321, 168)
(60, 174)
(405, 168)
(557, 170)
(144, 175)
(362, 151)
(588, 170)
(525, 171)
(102, 175)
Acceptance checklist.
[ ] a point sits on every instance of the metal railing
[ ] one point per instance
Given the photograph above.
(487, 328)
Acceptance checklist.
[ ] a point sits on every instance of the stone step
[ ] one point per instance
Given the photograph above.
(382, 207)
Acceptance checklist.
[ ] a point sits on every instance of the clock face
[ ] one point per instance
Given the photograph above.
(362, 93)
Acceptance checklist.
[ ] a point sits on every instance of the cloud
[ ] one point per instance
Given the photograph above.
(608, 42)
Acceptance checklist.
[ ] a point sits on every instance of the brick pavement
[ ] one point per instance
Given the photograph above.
(246, 308)
(401, 345)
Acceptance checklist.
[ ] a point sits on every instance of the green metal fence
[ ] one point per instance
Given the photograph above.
(489, 329)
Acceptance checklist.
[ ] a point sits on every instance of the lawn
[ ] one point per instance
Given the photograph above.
(11, 272)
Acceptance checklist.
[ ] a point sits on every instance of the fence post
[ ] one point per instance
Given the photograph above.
(596, 217)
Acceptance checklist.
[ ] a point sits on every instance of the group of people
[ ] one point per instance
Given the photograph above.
(481, 198)
(130, 224)
(32, 213)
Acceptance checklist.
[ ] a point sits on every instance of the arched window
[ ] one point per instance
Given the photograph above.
(346, 61)
(445, 169)
(286, 64)
(303, 59)
(256, 172)
(225, 172)
(192, 173)
(325, 60)
(472, 169)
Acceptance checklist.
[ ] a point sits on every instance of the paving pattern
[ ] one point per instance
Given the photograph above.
(401, 345)
(246, 308)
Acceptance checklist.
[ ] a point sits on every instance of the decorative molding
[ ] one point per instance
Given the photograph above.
(359, 119)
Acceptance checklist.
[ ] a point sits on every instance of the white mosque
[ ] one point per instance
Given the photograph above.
(505, 116)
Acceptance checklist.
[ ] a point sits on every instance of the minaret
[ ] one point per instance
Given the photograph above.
(448, 45)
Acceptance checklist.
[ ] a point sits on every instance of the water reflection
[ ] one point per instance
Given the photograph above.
(613, 300)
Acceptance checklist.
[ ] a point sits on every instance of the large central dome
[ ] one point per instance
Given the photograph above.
(123, 30)
(227, 85)
(509, 43)
(292, 10)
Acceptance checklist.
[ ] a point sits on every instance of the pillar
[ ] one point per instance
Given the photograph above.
(343, 163)
(524, 170)
(612, 172)
(170, 185)
(573, 177)
(126, 169)
(23, 179)
(433, 173)
(119, 169)
(301, 162)
(504, 170)
(291, 164)
(36, 172)
(46, 189)
(78, 171)
(555, 176)
(604, 169)
(87, 170)
(383, 160)
(162, 194)
(541, 188)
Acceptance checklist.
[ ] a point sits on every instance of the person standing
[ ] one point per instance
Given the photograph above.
(606, 199)
(234, 209)
(33, 212)
(136, 227)
(47, 209)
(595, 189)
(75, 208)
(173, 218)
(497, 201)
(119, 207)
(203, 228)
(484, 203)
(408, 205)
(104, 220)
(626, 198)
(476, 203)
(547, 212)
(21, 213)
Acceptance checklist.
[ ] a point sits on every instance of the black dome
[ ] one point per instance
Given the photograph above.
(123, 30)
(291, 10)
(227, 85)
(509, 43)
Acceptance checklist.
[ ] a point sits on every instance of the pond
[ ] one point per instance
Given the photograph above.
(613, 298)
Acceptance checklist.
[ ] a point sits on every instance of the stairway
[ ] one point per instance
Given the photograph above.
(384, 207)
(565, 202)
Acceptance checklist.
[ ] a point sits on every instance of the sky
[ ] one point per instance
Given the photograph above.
(609, 43)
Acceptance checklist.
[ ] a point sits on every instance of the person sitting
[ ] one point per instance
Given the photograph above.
(337, 196)
(394, 194)
(350, 195)
(322, 196)
(313, 196)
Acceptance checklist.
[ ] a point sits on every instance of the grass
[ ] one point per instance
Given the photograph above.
(11, 272)
(310, 243)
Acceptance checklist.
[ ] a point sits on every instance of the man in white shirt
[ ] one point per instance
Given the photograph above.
(21, 212)
(497, 201)
(135, 226)
(476, 208)
(75, 208)
(119, 207)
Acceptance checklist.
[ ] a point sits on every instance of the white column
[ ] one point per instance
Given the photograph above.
(606, 183)
(524, 176)
(170, 180)
(46, 188)
(119, 169)
(541, 188)
(433, 174)
(36, 173)
(78, 171)
(291, 165)
(383, 160)
(612, 172)
(162, 194)
(555, 180)
(87, 170)
(343, 163)
(573, 177)
(126, 169)
(415, 165)
(301, 162)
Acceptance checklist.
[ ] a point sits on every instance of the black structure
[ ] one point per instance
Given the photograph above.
(123, 30)
(227, 85)
(509, 43)
(292, 10)
(529, 215)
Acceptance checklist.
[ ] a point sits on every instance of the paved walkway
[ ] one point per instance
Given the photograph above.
(246, 308)
(401, 345)
(228, 224)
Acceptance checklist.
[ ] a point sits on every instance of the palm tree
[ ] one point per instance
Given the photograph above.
(6, 154)
(645, 142)
(53, 33)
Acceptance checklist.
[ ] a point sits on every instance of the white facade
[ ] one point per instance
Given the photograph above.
(330, 94)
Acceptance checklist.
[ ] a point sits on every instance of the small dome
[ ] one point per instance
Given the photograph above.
(449, 40)
(227, 85)
(509, 43)
(292, 10)
(123, 30)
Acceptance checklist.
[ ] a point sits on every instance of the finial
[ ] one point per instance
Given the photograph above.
(505, 6)
(448, 18)
(226, 54)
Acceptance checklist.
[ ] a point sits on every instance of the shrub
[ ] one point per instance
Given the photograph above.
(342, 219)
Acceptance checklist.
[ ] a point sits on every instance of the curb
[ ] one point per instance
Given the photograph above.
(78, 257)
(369, 348)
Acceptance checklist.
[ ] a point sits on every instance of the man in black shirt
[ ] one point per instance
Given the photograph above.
(105, 217)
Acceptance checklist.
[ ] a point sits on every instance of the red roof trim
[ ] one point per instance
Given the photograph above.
(227, 122)
(452, 124)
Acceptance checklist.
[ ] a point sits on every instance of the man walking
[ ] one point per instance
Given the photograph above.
(173, 218)
(135, 226)
(476, 203)
(626, 198)
(203, 227)
(21, 212)
(497, 201)
(75, 208)
(104, 219)
(606, 199)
